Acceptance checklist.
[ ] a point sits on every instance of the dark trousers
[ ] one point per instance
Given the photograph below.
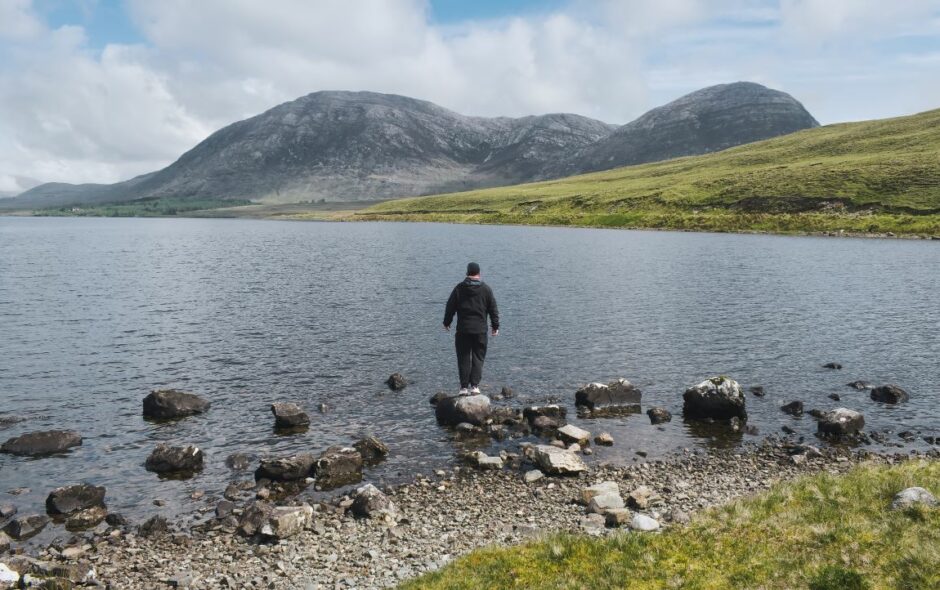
(471, 352)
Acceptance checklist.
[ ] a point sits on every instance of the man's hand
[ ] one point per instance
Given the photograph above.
(446, 328)
(494, 332)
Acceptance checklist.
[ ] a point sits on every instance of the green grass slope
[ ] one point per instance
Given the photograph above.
(869, 177)
(824, 532)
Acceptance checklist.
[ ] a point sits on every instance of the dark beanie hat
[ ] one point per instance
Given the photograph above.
(473, 269)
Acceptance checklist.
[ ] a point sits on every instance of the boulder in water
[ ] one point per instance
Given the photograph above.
(169, 404)
(793, 408)
(604, 439)
(572, 434)
(45, 442)
(840, 422)
(373, 450)
(555, 461)
(473, 409)
(286, 468)
(396, 382)
(552, 411)
(718, 398)
(289, 415)
(616, 393)
(659, 415)
(338, 466)
(832, 366)
(167, 459)
(70, 499)
(24, 527)
(889, 394)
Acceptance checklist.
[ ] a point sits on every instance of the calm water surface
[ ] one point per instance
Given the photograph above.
(94, 313)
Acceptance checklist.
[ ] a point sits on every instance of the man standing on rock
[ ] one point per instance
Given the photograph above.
(472, 300)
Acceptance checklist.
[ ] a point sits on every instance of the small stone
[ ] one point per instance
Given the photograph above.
(24, 527)
(169, 404)
(238, 461)
(757, 391)
(153, 527)
(373, 450)
(180, 460)
(483, 461)
(794, 408)
(287, 521)
(889, 394)
(641, 498)
(832, 366)
(599, 489)
(593, 524)
(659, 415)
(533, 476)
(600, 504)
(604, 439)
(289, 415)
(835, 397)
(396, 382)
(86, 519)
(571, 434)
(616, 517)
(641, 522)
(555, 461)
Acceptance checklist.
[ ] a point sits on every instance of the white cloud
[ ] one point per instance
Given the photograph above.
(70, 113)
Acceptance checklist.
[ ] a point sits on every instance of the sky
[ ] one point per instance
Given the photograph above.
(103, 90)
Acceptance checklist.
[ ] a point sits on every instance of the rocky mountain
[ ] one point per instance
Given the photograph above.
(347, 146)
(707, 120)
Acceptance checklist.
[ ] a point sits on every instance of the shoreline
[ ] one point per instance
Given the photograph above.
(356, 216)
(437, 518)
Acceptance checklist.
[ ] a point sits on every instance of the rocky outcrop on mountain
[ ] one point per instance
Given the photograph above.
(707, 120)
(350, 146)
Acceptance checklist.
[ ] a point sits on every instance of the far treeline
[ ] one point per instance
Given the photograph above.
(150, 207)
(870, 177)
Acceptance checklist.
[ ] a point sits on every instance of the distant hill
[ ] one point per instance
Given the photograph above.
(872, 176)
(347, 146)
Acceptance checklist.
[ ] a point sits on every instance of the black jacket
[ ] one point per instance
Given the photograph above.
(472, 301)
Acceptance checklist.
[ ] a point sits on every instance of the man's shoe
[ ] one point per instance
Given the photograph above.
(463, 391)
(474, 390)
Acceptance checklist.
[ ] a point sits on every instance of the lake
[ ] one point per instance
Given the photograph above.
(95, 313)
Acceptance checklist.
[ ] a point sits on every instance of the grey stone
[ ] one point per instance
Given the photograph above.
(913, 496)
(47, 442)
(593, 524)
(601, 503)
(604, 439)
(293, 468)
(659, 415)
(473, 409)
(599, 489)
(166, 404)
(155, 526)
(616, 517)
(718, 398)
(370, 502)
(396, 382)
(794, 408)
(641, 522)
(889, 394)
(289, 415)
(373, 450)
(70, 499)
(284, 522)
(86, 519)
(533, 475)
(338, 466)
(840, 422)
(571, 434)
(167, 459)
(555, 461)
(24, 527)
(616, 393)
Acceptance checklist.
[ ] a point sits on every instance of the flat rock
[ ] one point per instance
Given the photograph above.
(284, 522)
(571, 434)
(373, 450)
(889, 394)
(840, 422)
(45, 442)
(598, 489)
(533, 475)
(24, 527)
(718, 398)
(604, 439)
(912, 497)
(338, 466)
(289, 415)
(70, 499)
(616, 393)
(473, 409)
(555, 461)
(168, 404)
(601, 503)
(483, 461)
(291, 468)
(169, 459)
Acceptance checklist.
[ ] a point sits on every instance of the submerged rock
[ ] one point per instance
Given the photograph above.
(889, 394)
(841, 422)
(757, 391)
(396, 382)
(860, 385)
(182, 460)
(70, 499)
(338, 466)
(168, 404)
(718, 398)
(793, 408)
(238, 461)
(473, 409)
(373, 450)
(616, 393)
(24, 527)
(289, 415)
(555, 461)
(832, 366)
(659, 415)
(44, 442)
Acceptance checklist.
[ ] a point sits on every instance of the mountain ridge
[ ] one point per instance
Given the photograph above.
(348, 146)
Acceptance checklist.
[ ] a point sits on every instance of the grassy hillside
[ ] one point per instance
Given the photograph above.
(825, 532)
(873, 176)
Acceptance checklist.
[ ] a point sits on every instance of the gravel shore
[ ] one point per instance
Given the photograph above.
(439, 518)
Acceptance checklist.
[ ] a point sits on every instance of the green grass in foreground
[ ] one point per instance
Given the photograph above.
(822, 532)
(869, 177)
(151, 207)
